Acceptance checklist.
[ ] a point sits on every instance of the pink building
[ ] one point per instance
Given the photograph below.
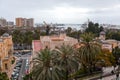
(52, 42)
(37, 46)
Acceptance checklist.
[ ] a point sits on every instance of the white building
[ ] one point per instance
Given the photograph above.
(56, 41)
(3, 22)
(10, 24)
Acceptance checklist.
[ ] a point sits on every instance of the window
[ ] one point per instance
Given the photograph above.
(6, 66)
(46, 47)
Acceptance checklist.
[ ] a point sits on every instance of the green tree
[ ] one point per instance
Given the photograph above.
(2, 31)
(16, 36)
(47, 29)
(101, 28)
(68, 30)
(28, 37)
(107, 56)
(75, 34)
(67, 61)
(36, 34)
(116, 53)
(3, 76)
(44, 68)
(21, 38)
(113, 35)
(93, 28)
(88, 52)
(28, 77)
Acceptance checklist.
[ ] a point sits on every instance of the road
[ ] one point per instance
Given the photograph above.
(22, 71)
(107, 75)
(25, 63)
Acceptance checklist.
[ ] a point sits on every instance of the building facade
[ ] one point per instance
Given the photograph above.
(3, 22)
(20, 22)
(53, 42)
(10, 24)
(6, 53)
(109, 44)
(30, 22)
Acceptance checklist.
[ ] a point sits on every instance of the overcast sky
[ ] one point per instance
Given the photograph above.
(62, 11)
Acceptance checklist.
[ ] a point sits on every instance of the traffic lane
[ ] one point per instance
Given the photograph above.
(22, 71)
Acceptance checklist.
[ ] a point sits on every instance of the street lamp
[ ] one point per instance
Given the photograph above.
(51, 72)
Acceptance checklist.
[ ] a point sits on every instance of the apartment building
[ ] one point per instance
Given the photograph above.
(3, 22)
(30, 22)
(21, 22)
(10, 24)
(6, 53)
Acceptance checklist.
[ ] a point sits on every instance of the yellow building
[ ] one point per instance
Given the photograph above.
(6, 53)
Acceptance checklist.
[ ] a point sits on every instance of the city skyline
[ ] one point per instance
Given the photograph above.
(62, 11)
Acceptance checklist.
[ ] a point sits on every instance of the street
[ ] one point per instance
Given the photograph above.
(22, 65)
(22, 71)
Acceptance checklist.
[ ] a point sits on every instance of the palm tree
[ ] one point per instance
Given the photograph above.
(88, 52)
(44, 68)
(66, 59)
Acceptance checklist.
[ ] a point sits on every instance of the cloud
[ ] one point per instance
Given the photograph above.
(63, 11)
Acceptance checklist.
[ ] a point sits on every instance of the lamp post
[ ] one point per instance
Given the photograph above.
(51, 72)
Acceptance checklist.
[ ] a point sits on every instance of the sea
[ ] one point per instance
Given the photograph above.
(73, 26)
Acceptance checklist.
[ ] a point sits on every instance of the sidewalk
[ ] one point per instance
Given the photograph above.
(113, 77)
(106, 75)
(11, 70)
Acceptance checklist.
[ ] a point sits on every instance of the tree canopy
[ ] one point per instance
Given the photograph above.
(3, 76)
(94, 28)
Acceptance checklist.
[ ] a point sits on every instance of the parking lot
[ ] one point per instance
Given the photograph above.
(22, 65)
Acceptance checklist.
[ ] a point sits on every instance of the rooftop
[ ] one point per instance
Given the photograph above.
(102, 33)
(5, 35)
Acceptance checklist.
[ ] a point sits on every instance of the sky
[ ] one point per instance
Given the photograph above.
(62, 11)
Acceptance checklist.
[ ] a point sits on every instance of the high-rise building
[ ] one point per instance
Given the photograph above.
(20, 22)
(10, 24)
(30, 22)
(3, 22)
